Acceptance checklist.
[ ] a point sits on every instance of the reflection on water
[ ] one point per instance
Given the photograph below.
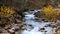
(33, 27)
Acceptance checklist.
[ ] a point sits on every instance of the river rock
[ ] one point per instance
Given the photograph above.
(41, 29)
(47, 25)
(22, 27)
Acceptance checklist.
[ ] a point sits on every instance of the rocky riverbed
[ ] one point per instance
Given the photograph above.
(31, 25)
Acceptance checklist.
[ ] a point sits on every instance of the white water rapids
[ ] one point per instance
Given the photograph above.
(29, 19)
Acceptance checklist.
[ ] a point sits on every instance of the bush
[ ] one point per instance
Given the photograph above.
(49, 13)
(5, 14)
(6, 11)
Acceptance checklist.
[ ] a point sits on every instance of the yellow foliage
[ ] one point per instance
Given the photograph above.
(58, 12)
(6, 11)
(48, 10)
(49, 13)
(58, 9)
(58, 5)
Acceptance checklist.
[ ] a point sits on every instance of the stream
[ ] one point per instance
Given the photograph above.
(33, 26)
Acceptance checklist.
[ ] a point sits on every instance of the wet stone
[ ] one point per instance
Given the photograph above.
(46, 21)
(43, 19)
(47, 25)
(32, 10)
(45, 31)
(25, 24)
(16, 29)
(22, 27)
(30, 25)
(41, 29)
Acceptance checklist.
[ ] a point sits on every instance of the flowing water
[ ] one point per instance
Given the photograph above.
(33, 26)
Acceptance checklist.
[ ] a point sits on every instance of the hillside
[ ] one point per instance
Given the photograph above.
(29, 4)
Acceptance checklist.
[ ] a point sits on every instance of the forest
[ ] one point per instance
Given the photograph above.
(18, 15)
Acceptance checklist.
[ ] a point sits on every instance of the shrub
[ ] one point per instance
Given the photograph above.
(49, 13)
(5, 14)
(6, 11)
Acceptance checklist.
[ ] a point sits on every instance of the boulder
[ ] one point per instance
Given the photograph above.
(41, 29)
(22, 27)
